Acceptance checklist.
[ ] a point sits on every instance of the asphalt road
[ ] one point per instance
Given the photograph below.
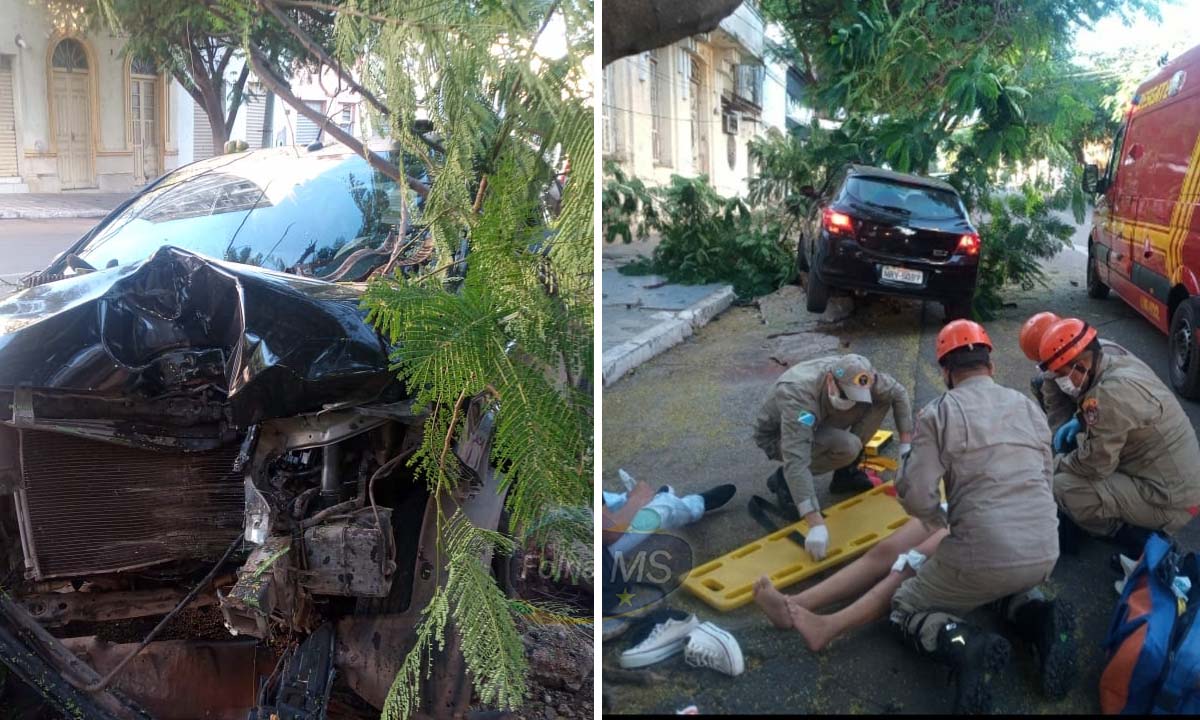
(685, 418)
(29, 245)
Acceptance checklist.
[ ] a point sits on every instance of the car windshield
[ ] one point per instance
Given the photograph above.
(273, 209)
(908, 200)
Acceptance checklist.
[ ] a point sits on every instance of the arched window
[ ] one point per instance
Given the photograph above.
(70, 55)
(142, 66)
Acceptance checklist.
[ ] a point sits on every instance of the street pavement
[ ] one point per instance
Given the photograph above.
(29, 245)
(685, 418)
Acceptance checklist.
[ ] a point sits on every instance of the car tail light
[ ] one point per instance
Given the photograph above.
(969, 244)
(838, 223)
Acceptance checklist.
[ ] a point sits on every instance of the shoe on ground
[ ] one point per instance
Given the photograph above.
(664, 639)
(718, 496)
(1050, 625)
(711, 647)
(850, 480)
(976, 658)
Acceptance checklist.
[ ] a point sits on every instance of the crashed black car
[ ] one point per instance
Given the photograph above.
(202, 433)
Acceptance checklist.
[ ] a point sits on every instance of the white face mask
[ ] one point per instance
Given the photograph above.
(1067, 385)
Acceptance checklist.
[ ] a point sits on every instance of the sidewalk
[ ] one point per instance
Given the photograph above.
(644, 315)
(69, 204)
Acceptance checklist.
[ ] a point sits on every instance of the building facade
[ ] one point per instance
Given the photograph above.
(693, 107)
(76, 112)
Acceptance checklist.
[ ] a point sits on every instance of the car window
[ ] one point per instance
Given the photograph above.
(911, 200)
(1110, 171)
(281, 212)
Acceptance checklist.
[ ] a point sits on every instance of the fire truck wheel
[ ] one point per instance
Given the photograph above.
(1183, 354)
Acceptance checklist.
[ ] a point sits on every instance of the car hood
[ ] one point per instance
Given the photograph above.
(264, 344)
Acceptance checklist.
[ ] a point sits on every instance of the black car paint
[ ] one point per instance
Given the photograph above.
(177, 343)
(850, 262)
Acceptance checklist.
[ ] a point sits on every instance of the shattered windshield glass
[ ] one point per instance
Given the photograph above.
(276, 210)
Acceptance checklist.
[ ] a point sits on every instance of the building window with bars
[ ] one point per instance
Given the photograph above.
(346, 121)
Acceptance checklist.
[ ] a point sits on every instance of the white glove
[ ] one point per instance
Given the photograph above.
(905, 449)
(945, 507)
(817, 541)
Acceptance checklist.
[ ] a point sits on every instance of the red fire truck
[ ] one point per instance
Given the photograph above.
(1145, 238)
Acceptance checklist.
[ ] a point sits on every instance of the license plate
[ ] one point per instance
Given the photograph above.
(904, 275)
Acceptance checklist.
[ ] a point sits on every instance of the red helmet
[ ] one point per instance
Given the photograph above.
(1033, 330)
(1063, 341)
(961, 333)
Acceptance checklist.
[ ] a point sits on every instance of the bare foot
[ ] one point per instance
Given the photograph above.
(773, 603)
(817, 630)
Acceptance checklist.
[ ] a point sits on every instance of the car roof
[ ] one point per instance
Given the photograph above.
(869, 171)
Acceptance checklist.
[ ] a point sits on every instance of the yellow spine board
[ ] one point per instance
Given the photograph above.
(855, 525)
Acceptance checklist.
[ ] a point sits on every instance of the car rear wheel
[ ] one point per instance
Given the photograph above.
(1182, 353)
(816, 293)
(957, 310)
(1095, 288)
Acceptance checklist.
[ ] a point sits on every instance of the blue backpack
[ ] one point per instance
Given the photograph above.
(1153, 652)
(1139, 637)
(1180, 690)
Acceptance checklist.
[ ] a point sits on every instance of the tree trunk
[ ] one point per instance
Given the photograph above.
(268, 129)
(633, 26)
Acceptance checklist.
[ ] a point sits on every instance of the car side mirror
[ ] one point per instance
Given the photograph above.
(808, 191)
(1091, 178)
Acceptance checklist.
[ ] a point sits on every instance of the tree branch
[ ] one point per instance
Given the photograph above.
(263, 71)
(236, 100)
(313, 47)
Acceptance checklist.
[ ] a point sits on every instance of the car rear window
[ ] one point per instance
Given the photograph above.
(909, 200)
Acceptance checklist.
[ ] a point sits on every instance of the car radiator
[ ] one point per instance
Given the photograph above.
(87, 507)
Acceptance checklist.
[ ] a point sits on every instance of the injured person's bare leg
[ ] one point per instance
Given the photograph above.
(773, 603)
(819, 630)
(866, 570)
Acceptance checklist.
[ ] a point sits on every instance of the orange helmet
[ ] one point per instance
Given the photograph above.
(1033, 330)
(961, 333)
(1063, 341)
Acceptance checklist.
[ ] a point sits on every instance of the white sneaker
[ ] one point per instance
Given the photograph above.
(664, 640)
(711, 647)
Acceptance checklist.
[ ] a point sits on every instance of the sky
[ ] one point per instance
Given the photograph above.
(1180, 24)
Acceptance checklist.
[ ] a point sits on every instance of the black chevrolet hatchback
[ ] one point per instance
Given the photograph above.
(885, 232)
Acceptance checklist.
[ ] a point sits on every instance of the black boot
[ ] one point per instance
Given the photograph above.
(976, 658)
(1049, 626)
(1069, 534)
(777, 484)
(850, 479)
(1132, 539)
(717, 496)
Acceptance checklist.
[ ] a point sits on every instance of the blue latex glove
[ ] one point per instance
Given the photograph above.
(1064, 437)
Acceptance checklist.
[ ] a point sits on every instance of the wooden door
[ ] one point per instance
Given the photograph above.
(72, 112)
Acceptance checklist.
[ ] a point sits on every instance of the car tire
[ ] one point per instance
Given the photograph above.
(1183, 356)
(957, 310)
(816, 293)
(1095, 288)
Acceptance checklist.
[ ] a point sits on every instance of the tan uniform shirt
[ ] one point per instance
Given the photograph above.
(1135, 426)
(799, 404)
(991, 446)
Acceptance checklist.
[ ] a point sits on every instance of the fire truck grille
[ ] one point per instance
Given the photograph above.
(90, 507)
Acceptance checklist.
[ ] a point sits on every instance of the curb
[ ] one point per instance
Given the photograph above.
(672, 330)
(52, 215)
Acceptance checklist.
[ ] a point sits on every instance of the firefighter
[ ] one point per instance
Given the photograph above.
(818, 416)
(1058, 405)
(1126, 464)
(990, 446)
